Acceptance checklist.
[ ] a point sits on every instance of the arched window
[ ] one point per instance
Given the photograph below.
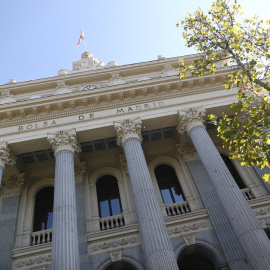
(108, 196)
(233, 172)
(169, 186)
(43, 216)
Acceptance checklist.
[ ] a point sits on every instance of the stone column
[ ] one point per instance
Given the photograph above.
(65, 249)
(10, 193)
(246, 227)
(230, 245)
(80, 177)
(155, 240)
(5, 158)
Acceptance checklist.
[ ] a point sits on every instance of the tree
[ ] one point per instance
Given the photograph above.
(241, 46)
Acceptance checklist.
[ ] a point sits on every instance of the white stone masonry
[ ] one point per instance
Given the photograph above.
(155, 240)
(247, 229)
(65, 247)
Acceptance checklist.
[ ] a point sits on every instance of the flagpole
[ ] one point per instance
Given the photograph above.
(84, 42)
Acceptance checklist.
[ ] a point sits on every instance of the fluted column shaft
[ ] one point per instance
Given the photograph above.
(247, 229)
(231, 247)
(155, 240)
(1, 174)
(65, 248)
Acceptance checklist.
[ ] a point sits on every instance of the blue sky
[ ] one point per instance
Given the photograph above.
(38, 38)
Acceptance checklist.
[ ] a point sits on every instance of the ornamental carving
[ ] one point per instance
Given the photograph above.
(123, 163)
(80, 172)
(127, 129)
(188, 151)
(188, 228)
(116, 255)
(115, 243)
(6, 97)
(6, 157)
(64, 140)
(190, 118)
(12, 185)
(262, 211)
(189, 239)
(32, 261)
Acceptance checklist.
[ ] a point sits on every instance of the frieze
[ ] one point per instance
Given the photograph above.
(34, 261)
(188, 228)
(262, 211)
(115, 243)
(78, 110)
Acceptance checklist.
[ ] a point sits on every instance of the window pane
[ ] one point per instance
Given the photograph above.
(177, 198)
(104, 209)
(43, 216)
(116, 208)
(166, 196)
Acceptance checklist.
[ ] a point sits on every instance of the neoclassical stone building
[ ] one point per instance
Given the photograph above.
(109, 167)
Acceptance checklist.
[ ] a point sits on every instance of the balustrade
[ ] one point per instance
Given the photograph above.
(247, 194)
(111, 222)
(177, 208)
(41, 237)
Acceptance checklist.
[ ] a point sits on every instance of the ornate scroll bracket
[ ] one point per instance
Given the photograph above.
(127, 129)
(189, 239)
(12, 185)
(116, 255)
(80, 172)
(190, 118)
(64, 141)
(6, 158)
(188, 151)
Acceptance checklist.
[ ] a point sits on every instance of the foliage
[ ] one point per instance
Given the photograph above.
(225, 40)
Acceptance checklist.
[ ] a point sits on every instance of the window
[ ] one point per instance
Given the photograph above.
(168, 184)
(108, 197)
(234, 172)
(43, 217)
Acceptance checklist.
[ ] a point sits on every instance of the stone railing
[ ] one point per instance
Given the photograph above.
(177, 208)
(41, 237)
(111, 222)
(247, 194)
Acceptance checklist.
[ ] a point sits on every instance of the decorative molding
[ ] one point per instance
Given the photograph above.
(116, 255)
(64, 140)
(168, 70)
(46, 259)
(101, 107)
(127, 129)
(189, 239)
(188, 151)
(190, 118)
(262, 211)
(80, 172)
(12, 185)
(62, 88)
(6, 157)
(181, 230)
(116, 79)
(6, 96)
(123, 163)
(115, 243)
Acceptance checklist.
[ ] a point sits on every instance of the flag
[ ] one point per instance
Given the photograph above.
(81, 37)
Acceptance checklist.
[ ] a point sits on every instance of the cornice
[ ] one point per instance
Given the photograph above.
(89, 108)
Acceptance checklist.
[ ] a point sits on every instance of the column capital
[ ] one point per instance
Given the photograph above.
(64, 140)
(188, 151)
(13, 185)
(127, 129)
(5, 155)
(190, 118)
(80, 172)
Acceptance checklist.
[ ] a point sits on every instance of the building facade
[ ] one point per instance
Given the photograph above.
(117, 167)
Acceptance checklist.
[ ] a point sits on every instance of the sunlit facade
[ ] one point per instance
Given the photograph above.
(109, 167)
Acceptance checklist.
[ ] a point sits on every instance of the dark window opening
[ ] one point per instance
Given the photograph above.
(108, 196)
(43, 216)
(169, 186)
(234, 172)
(195, 262)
